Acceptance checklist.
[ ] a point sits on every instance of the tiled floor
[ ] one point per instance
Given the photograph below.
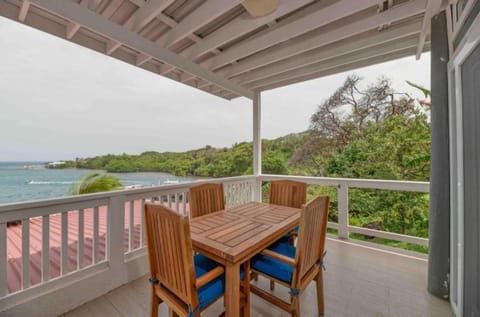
(359, 281)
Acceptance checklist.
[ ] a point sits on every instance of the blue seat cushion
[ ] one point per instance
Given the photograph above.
(208, 293)
(273, 267)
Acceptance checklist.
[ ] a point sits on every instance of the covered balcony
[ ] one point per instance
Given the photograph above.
(77, 250)
(86, 256)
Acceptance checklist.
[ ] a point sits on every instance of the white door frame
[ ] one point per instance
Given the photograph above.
(470, 41)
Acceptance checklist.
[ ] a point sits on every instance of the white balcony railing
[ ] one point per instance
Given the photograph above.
(75, 249)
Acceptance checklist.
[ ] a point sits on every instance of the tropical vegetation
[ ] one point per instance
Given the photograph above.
(95, 182)
(373, 133)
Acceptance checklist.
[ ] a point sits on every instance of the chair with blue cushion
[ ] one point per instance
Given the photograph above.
(295, 267)
(188, 284)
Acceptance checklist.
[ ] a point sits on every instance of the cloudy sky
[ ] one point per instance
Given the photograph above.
(61, 101)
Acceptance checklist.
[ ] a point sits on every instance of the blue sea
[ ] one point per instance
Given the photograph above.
(25, 181)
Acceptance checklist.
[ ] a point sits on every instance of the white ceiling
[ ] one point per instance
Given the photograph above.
(218, 47)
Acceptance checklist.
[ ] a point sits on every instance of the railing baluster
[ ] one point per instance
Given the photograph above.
(169, 199)
(25, 253)
(81, 237)
(131, 224)
(142, 224)
(342, 197)
(184, 203)
(64, 247)
(95, 236)
(177, 205)
(45, 248)
(3, 259)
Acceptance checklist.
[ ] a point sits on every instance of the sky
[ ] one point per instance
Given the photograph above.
(59, 101)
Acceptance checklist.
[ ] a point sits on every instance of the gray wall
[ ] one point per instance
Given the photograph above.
(439, 221)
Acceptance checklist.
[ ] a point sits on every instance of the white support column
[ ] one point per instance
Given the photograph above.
(257, 144)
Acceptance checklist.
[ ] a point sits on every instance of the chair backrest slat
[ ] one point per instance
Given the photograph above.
(205, 199)
(288, 193)
(311, 237)
(170, 251)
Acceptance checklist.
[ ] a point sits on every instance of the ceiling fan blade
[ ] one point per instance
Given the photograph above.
(259, 8)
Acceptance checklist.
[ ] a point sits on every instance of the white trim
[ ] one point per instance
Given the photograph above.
(433, 6)
(454, 234)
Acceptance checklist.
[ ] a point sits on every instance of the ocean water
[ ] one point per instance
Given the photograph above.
(25, 181)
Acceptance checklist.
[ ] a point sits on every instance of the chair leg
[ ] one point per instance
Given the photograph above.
(172, 313)
(292, 239)
(246, 290)
(155, 301)
(320, 296)
(295, 305)
(272, 285)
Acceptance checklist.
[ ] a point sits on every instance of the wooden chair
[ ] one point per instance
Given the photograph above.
(295, 267)
(205, 199)
(187, 284)
(287, 193)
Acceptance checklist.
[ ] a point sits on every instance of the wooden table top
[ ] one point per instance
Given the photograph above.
(241, 232)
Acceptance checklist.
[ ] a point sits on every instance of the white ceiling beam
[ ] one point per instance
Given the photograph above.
(111, 8)
(347, 67)
(433, 6)
(165, 69)
(172, 23)
(239, 27)
(72, 28)
(142, 59)
(365, 54)
(92, 21)
(321, 38)
(22, 14)
(204, 14)
(334, 51)
(112, 46)
(146, 13)
(285, 31)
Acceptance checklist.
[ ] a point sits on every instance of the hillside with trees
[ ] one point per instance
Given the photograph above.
(373, 133)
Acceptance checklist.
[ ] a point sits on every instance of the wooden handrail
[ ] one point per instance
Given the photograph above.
(209, 276)
(279, 257)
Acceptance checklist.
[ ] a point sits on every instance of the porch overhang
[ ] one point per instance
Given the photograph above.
(217, 46)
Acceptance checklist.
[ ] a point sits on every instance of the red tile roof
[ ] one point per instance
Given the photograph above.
(14, 244)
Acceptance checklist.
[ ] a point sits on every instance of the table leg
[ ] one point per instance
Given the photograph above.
(232, 290)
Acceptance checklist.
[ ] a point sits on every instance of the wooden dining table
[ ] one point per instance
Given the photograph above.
(233, 236)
